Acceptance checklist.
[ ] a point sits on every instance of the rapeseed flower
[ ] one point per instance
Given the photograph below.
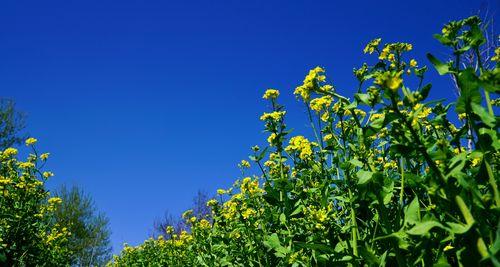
(31, 141)
(10, 152)
(44, 156)
(271, 94)
(321, 103)
(301, 145)
(371, 46)
(275, 115)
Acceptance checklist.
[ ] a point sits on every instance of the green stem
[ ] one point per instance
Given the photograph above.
(486, 93)
(401, 193)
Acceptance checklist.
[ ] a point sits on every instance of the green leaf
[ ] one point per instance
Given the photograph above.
(282, 218)
(457, 163)
(423, 228)
(363, 98)
(412, 212)
(364, 176)
(469, 90)
(486, 117)
(424, 92)
(458, 228)
(273, 242)
(441, 67)
(356, 162)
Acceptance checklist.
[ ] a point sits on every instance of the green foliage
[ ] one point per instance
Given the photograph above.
(89, 241)
(28, 236)
(391, 178)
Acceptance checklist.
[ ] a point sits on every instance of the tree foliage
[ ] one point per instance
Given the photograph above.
(12, 122)
(89, 242)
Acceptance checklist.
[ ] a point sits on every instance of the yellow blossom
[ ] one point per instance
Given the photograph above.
(372, 45)
(244, 164)
(496, 57)
(221, 191)
(275, 115)
(204, 224)
(301, 145)
(248, 213)
(271, 94)
(10, 151)
(376, 116)
(389, 80)
(413, 63)
(26, 165)
(310, 82)
(31, 141)
(47, 174)
(271, 139)
(476, 161)
(44, 156)
(212, 202)
(327, 137)
(55, 200)
(321, 103)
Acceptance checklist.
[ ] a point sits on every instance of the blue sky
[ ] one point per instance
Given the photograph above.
(143, 103)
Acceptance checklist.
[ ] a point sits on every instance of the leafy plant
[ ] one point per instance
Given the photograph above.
(387, 179)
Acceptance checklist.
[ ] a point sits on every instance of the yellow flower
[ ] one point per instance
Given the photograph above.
(413, 63)
(44, 156)
(476, 161)
(275, 115)
(244, 164)
(204, 224)
(192, 219)
(10, 151)
(462, 116)
(271, 94)
(448, 247)
(312, 79)
(4, 181)
(30, 141)
(55, 200)
(47, 174)
(327, 137)
(271, 139)
(376, 116)
(26, 165)
(248, 213)
(221, 191)
(391, 57)
(371, 46)
(301, 145)
(212, 202)
(496, 57)
(384, 53)
(389, 80)
(321, 103)
(187, 214)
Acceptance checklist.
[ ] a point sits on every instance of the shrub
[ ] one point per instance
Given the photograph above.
(389, 178)
(28, 235)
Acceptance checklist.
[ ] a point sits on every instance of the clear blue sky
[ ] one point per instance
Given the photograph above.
(142, 103)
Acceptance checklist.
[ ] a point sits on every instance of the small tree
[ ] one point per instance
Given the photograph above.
(12, 122)
(90, 235)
